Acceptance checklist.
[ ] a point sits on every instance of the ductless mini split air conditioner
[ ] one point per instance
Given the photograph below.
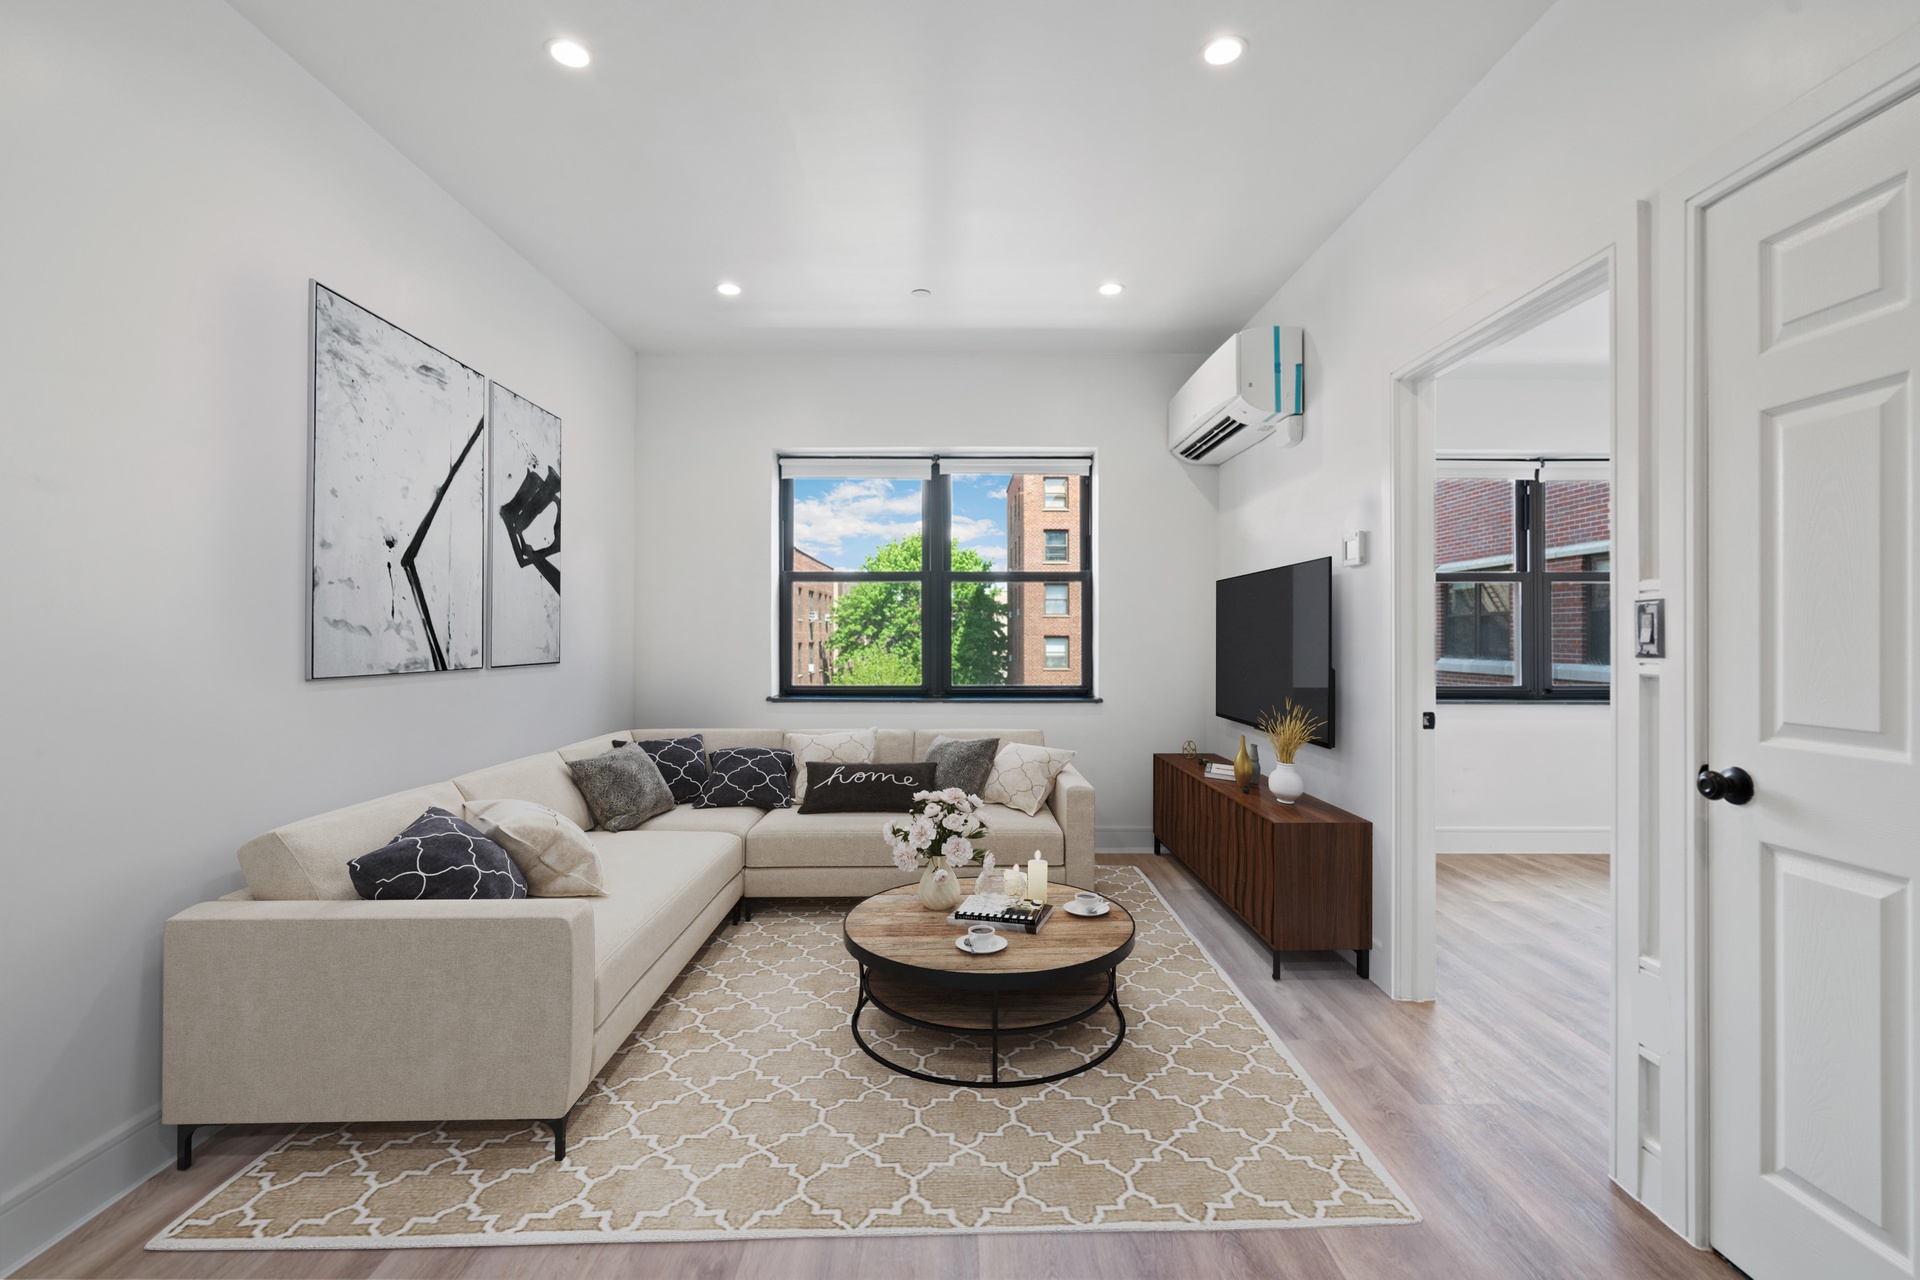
(1254, 386)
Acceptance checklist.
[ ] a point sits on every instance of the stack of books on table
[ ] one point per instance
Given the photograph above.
(1224, 772)
(1001, 910)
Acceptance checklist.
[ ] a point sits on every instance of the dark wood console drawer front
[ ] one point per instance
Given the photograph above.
(1300, 875)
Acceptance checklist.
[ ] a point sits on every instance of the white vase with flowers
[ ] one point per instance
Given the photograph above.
(939, 835)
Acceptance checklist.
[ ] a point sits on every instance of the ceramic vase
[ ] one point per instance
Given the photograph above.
(1286, 783)
(939, 889)
(1243, 771)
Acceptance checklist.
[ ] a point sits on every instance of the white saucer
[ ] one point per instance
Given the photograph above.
(1073, 909)
(993, 944)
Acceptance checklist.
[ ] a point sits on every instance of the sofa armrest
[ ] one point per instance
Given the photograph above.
(1072, 806)
(309, 1010)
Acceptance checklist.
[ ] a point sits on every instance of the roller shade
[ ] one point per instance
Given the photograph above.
(856, 468)
(1029, 465)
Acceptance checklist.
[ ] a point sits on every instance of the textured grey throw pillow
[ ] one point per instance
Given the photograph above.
(962, 762)
(623, 788)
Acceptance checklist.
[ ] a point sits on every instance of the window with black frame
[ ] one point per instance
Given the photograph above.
(1522, 573)
(939, 576)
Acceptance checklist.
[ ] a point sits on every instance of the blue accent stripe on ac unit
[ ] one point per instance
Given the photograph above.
(1300, 382)
(1279, 374)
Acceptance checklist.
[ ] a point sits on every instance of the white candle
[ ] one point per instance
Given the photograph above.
(1037, 878)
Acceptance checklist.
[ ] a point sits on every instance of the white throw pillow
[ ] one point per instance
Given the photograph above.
(848, 746)
(550, 849)
(1023, 776)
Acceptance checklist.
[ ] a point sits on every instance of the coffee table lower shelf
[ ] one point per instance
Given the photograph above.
(1000, 1013)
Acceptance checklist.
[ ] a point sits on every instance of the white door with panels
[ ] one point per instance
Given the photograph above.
(1812, 815)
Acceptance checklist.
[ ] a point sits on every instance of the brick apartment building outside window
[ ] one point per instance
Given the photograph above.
(1522, 607)
(993, 601)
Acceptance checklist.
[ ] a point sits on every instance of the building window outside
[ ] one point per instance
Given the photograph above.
(893, 614)
(1522, 571)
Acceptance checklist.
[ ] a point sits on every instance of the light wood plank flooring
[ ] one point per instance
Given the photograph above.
(1488, 1106)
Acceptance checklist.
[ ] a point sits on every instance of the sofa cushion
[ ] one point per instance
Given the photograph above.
(623, 787)
(552, 853)
(873, 787)
(965, 763)
(686, 817)
(923, 739)
(437, 856)
(681, 761)
(894, 744)
(789, 838)
(1023, 775)
(543, 779)
(308, 858)
(758, 776)
(657, 883)
(842, 746)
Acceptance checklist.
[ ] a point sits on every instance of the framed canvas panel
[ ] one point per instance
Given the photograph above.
(524, 601)
(399, 540)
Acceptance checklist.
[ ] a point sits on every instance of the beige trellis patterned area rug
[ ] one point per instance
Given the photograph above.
(743, 1108)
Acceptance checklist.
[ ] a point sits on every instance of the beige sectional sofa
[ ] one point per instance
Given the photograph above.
(295, 1001)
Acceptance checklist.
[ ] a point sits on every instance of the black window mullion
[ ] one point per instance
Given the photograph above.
(936, 603)
(1086, 583)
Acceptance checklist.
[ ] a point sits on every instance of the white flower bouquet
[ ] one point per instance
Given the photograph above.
(943, 829)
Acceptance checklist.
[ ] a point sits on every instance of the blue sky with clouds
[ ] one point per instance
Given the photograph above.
(842, 522)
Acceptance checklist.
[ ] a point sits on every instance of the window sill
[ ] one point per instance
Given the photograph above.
(964, 698)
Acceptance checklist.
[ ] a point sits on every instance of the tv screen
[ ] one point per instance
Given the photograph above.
(1273, 640)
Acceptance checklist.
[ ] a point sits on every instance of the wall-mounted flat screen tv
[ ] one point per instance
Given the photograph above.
(1273, 640)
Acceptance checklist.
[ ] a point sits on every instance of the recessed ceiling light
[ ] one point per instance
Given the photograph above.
(923, 293)
(1224, 49)
(727, 289)
(1112, 288)
(569, 53)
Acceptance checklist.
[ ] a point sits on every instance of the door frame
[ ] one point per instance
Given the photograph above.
(1888, 76)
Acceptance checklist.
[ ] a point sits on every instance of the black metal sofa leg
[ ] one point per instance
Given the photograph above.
(183, 1145)
(559, 1128)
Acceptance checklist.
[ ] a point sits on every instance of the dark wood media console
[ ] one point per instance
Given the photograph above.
(1299, 875)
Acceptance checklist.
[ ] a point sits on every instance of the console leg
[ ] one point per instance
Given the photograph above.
(1158, 850)
(183, 1145)
(1360, 964)
(559, 1128)
(1276, 966)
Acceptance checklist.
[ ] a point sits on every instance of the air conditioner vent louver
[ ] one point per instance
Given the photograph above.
(1254, 387)
(1216, 435)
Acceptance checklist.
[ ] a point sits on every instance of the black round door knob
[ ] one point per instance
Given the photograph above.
(1734, 785)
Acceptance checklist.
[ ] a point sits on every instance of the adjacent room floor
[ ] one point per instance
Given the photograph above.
(1489, 1107)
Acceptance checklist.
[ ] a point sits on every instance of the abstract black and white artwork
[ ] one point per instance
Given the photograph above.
(525, 604)
(399, 499)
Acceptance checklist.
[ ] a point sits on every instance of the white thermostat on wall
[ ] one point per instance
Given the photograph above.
(1353, 549)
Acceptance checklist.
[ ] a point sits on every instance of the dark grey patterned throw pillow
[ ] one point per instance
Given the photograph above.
(623, 788)
(682, 762)
(965, 763)
(438, 856)
(748, 777)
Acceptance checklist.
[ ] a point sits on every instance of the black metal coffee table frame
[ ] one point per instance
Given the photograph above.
(993, 1032)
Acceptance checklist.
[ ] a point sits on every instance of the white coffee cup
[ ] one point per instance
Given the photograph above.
(979, 935)
(1088, 901)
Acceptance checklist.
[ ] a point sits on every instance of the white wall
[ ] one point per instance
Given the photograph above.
(709, 427)
(1598, 104)
(172, 181)
(1523, 409)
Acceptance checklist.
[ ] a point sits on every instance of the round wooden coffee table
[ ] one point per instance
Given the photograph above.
(911, 969)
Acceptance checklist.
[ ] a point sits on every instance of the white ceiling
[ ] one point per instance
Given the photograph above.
(833, 157)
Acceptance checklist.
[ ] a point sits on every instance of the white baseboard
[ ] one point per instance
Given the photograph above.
(1523, 840)
(1123, 840)
(52, 1203)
